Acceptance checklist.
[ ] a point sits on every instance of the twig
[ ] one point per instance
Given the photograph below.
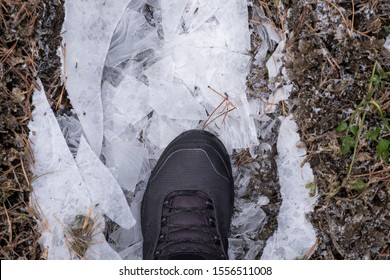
(9, 224)
(225, 110)
(64, 85)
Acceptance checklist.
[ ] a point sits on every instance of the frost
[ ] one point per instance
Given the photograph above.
(295, 235)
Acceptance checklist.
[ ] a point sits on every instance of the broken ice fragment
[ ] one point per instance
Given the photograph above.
(126, 157)
(71, 129)
(101, 250)
(275, 62)
(295, 235)
(387, 43)
(130, 99)
(250, 218)
(59, 191)
(104, 189)
(174, 101)
(87, 32)
(162, 131)
(171, 11)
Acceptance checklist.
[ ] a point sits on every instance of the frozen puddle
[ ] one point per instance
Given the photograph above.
(139, 73)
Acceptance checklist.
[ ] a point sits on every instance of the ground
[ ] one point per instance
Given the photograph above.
(338, 65)
(338, 99)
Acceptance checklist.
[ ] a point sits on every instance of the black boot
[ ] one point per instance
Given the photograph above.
(188, 203)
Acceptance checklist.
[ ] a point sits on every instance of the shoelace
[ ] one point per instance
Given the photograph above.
(209, 239)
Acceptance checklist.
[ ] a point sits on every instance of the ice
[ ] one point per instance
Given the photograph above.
(387, 43)
(244, 248)
(125, 157)
(204, 44)
(254, 248)
(236, 248)
(129, 242)
(274, 63)
(64, 189)
(104, 189)
(60, 193)
(130, 41)
(87, 31)
(124, 238)
(181, 104)
(72, 130)
(281, 93)
(266, 29)
(133, 252)
(171, 11)
(162, 131)
(199, 12)
(101, 250)
(131, 100)
(241, 182)
(295, 235)
(250, 217)
(156, 85)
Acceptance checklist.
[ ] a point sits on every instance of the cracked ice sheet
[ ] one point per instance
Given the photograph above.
(59, 192)
(295, 235)
(87, 32)
(212, 52)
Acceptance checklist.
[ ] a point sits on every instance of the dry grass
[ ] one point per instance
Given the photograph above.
(18, 230)
(80, 234)
(222, 110)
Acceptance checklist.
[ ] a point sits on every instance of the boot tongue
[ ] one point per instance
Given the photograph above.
(188, 217)
(192, 242)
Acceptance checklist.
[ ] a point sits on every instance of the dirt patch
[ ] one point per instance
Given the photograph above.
(49, 41)
(27, 47)
(17, 56)
(339, 66)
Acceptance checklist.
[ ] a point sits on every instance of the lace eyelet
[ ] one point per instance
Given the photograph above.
(209, 204)
(211, 222)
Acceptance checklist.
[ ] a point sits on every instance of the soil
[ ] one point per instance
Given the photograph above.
(17, 71)
(330, 65)
(29, 38)
(331, 68)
